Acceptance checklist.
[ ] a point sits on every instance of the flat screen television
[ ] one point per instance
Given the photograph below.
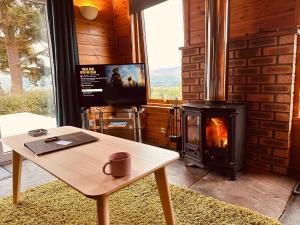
(112, 84)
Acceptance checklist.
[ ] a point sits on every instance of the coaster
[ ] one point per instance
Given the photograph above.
(4, 174)
(297, 189)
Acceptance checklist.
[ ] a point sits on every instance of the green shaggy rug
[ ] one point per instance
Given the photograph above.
(57, 204)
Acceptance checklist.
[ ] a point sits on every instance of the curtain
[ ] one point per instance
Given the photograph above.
(64, 58)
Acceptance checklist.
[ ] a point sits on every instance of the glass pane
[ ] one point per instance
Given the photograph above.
(193, 129)
(164, 35)
(216, 133)
(26, 91)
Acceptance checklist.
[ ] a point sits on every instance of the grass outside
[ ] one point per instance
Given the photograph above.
(166, 93)
(35, 101)
(41, 101)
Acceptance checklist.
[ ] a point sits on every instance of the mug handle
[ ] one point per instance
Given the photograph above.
(103, 169)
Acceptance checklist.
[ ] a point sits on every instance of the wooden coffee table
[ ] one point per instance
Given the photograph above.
(81, 167)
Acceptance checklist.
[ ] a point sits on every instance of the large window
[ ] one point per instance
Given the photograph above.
(26, 91)
(164, 37)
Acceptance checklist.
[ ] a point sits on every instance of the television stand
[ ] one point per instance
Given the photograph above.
(119, 122)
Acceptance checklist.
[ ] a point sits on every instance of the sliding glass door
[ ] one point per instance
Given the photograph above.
(26, 88)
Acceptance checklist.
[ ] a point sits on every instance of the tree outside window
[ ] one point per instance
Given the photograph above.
(24, 57)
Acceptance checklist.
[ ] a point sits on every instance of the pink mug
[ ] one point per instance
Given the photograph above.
(120, 164)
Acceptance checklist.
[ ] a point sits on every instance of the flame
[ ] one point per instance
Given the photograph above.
(216, 133)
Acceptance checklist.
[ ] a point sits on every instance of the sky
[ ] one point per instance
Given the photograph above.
(164, 34)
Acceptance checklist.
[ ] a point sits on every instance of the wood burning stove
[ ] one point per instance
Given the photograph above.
(214, 136)
(213, 131)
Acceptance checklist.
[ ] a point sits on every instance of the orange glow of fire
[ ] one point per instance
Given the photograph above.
(216, 133)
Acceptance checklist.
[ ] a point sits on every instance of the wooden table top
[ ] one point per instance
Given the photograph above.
(81, 166)
(20, 123)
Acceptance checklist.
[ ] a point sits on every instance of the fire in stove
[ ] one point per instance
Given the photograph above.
(216, 133)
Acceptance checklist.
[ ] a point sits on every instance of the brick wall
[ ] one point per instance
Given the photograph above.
(261, 75)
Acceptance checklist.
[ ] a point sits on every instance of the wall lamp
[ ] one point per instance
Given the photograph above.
(89, 12)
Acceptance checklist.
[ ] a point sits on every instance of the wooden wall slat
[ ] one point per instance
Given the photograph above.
(88, 60)
(121, 20)
(250, 11)
(247, 17)
(94, 40)
(154, 119)
(297, 14)
(186, 22)
(96, 50)
(101, 4)
(122, 31)
(103, 29)
(267, 22)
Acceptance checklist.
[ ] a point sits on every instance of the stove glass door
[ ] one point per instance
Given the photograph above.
(216, 133)
(193, 129)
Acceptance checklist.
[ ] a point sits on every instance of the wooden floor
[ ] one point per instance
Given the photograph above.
(267, 194)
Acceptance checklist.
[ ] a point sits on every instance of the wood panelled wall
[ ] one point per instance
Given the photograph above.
(96, 39)
(122, 31)
(247, 17)
(155, 123)
(107, 38)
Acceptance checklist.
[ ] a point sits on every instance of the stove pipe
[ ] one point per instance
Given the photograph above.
(216, 38)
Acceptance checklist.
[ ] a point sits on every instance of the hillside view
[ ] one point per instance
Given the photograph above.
(165, 83)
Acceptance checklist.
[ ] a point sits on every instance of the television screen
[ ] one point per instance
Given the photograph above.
(120, 85)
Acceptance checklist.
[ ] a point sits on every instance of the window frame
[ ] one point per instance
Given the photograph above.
(153, 101)
(6, 157)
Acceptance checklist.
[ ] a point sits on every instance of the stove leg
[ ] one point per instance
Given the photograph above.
(232, 175)
(188, 165)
